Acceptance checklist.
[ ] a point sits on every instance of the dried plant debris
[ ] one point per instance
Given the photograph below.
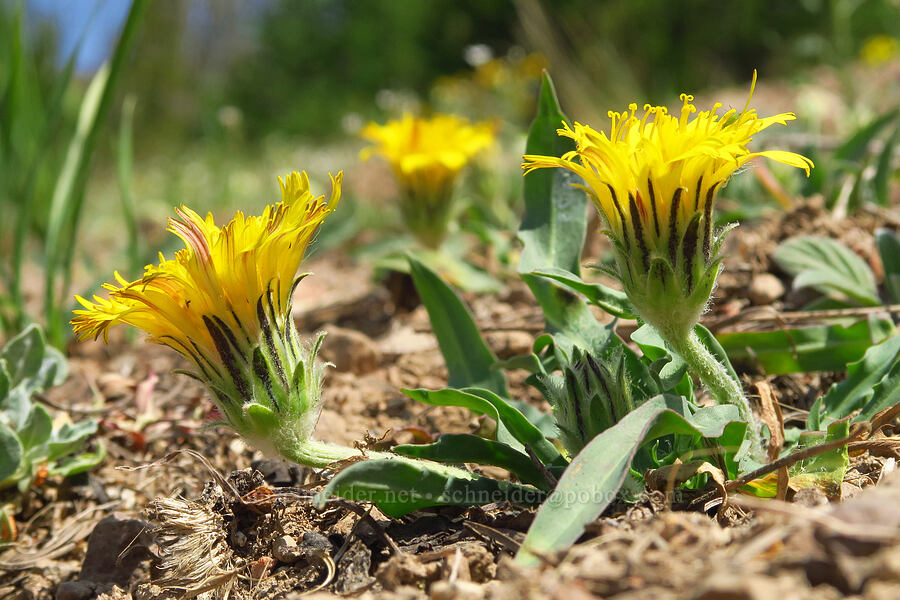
(194, 556)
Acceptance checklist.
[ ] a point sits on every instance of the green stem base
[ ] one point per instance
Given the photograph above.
(316, 454)
(319, 455)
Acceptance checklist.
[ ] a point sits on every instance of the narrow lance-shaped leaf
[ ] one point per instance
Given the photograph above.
(468, 358)
(553, 231)
(68, 195)
(612, 301)
(458, 448)
(513, 428)
(889, 250)
(595, 476)
(398, 487)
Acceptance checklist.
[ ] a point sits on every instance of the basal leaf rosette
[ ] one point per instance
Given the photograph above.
(426, 156)
(224, 302)
(654, 178)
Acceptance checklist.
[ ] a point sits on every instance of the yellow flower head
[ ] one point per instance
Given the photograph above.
(224, 300)
(654, 178)
(879, 49)
(426, 156)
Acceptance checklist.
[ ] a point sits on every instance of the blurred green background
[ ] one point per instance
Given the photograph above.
(210, 99)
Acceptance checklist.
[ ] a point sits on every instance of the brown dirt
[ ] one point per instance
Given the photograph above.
(257, 535)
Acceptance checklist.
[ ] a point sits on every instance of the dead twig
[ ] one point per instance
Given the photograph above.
(168, 458)
(540, 466)
(493, 535)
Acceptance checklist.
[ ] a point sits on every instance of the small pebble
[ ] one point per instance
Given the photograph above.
(75, 590)
(285, 549)
(765, 289)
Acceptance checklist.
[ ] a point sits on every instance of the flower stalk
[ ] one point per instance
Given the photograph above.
(712, 374)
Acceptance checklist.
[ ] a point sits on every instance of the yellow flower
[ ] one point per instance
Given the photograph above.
(224, 302)
(879, 49)
(653, 179)
(426, 156)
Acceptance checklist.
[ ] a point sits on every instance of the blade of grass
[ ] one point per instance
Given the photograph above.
(24, 219)
(65, 209)
(124, 157)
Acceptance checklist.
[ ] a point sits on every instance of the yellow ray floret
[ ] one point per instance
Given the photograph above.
(227, 281)
(427, 154)
(662, 167)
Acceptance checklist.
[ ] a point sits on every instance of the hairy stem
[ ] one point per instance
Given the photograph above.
(316, 454)
(714, 377)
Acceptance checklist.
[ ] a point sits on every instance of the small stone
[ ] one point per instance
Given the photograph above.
(148, 591)
(74, 590)
(350, 350)
(238, 539)
(506, 344)
(278, 472)
(260, 569)
(810, 497)
(765, 289)
(314, 543)
(114, 550)
(285, 549)
(461, 590)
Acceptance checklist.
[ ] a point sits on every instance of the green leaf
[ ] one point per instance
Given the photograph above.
(10, 453)
(595, 476)
(654, 349)
(805, 349)
(23, 354)
(467, 448)
(540, 419)
(824, 471)
(398, 487)
(857, 389)
(612, 301)
(829, 267)
(16, 405)
(525, 431)
(53, 371)
(673, 372)
(553, 231)
(885, 394)
(80, 462)
(36, 430)
(69, 438)
(889, 250)
(855, 148)
(513, 428)
(468, 358)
